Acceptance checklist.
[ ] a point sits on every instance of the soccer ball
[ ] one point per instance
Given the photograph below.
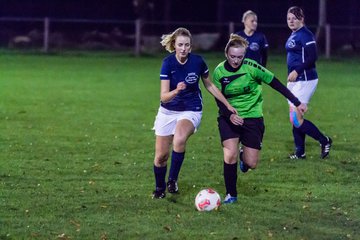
(207, 199)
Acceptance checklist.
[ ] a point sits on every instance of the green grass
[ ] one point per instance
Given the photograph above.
(76, 156)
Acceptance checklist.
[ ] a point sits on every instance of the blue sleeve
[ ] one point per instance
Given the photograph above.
(265, 42)
(310, 56)
(205, 69)
(165, 71)
(264, 57)
(264, 51)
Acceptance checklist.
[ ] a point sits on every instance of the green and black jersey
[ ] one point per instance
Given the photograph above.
(242, 88)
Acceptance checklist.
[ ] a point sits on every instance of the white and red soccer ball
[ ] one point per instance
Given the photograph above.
(207, 199)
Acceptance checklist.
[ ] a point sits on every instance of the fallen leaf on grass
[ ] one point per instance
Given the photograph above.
(77, 225)
(63, 236)
(103, 236)
(167, 228)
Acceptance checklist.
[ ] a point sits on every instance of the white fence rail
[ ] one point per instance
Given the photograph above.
(51, 34)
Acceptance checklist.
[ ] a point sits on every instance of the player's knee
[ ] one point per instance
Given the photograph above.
(252, 163)
(230, 158)
(161, 160)
(179, 146)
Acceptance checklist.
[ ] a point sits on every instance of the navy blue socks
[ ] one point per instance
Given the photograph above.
(176, 162)
(230, 178)
(299, 140)
(160, 173)
(310, 129)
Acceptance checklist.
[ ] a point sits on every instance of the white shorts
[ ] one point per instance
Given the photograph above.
(303, 90)
(165, 121)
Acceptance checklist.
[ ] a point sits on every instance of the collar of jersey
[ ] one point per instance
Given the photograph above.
(229, 68)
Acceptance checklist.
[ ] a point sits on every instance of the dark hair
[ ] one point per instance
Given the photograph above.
(297, 11)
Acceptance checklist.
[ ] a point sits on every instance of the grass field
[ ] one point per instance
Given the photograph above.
(76, 156)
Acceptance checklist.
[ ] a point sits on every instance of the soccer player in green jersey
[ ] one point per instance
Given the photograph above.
(240, 80)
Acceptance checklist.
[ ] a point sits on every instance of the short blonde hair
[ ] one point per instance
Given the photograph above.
(248, 13)
(168, 40)
(236, 41)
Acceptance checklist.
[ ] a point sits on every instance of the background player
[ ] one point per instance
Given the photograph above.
(258, 45)
(302, 82)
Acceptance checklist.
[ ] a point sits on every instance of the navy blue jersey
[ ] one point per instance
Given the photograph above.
(189, 99)
(257, 46)
(302, 54)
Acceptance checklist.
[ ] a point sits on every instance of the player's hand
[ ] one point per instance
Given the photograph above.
(232, 109)
(302, 108)
(236, 119)
(292, 76)
(181, 86)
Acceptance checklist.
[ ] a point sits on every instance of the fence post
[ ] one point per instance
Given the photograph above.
(327, 41)
(231, 27)
(46, 34)
(138, 24)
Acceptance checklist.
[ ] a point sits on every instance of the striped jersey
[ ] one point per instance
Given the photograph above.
(243, 87)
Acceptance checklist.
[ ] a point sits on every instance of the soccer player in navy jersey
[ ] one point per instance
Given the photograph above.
(258, 45)
(240, 80)
(302, 82)
(180, 110)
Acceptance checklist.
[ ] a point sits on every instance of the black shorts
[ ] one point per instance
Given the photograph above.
(250, 134)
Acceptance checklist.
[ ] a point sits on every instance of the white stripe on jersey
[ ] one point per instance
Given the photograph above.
(303, 54)
(303, 60)
(163, 75)
(308, 43)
